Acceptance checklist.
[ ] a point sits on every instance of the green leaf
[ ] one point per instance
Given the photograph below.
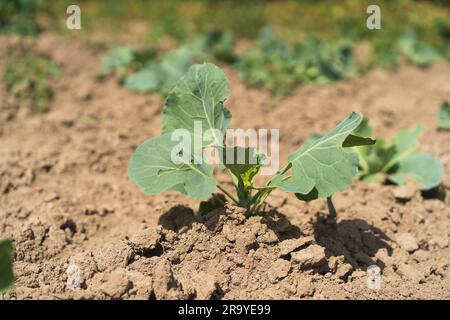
(243, 164)
(374, 178)
(398, 162)
(375, 157)
(444, 116)
(354, 141)
(423, 168)
(199, 96)
(118, 57)
(414, 49)
(152, 168)
(6, 271)
(323, 164)
(404, 143)
(142, 81)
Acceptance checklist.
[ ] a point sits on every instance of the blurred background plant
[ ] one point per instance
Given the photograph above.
(27, 77)
(273, 43)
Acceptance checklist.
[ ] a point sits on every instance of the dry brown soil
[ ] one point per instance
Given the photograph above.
(67, 203)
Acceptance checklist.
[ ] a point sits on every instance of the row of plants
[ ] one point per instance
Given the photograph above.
(270, 63)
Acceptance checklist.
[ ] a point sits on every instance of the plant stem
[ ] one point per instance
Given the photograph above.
(229, 195)
(331, 209)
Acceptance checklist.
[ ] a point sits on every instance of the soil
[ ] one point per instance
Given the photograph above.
(83, 230)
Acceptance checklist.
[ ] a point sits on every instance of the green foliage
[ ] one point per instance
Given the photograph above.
(320, 168)
(325, 165)
(146, 71)
(159, 76)
(414, 50)
(6, 271)
(27, 77)
(268, 64)
(273, 64)
(324, 62)
(398, 161)
(442, 28)
(18, 16)
(152, 168)
(444, 116)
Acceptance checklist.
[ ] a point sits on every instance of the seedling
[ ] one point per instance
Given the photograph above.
(444, 116)
(274, 65)
(318, 169)
(145, 71)
(27, 77)
(398, 161)
(415, 50)
(6, 271)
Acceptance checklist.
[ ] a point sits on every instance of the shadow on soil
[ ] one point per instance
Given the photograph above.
(354, 239)
(177, 218)
(180, 217)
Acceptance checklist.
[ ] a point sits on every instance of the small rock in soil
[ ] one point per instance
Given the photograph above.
(404, 193)
(245, 242)
(205, 286)
(146, 242)
(165, 286)
(279, 270)
(116, 284)
(313, 255)
(407, 242)
(287, 246)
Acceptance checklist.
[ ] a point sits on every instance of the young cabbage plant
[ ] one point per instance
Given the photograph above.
(318, 169)
(399, 161)
(444, 116)
(6, 271)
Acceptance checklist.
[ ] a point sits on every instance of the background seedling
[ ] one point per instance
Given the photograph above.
(147, 70)
(318, 169)
(444, 116)
(399, 161)
(27, 77)
(6, 271)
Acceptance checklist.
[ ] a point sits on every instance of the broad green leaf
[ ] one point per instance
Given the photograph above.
(324, 164)
(404, 143)
(142, 81)
(198, 97)
(6, 271)
(444, 116)
(423, 168)
(152, 168)
(358, 139)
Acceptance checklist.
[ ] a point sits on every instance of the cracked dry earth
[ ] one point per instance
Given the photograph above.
(82, 230)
